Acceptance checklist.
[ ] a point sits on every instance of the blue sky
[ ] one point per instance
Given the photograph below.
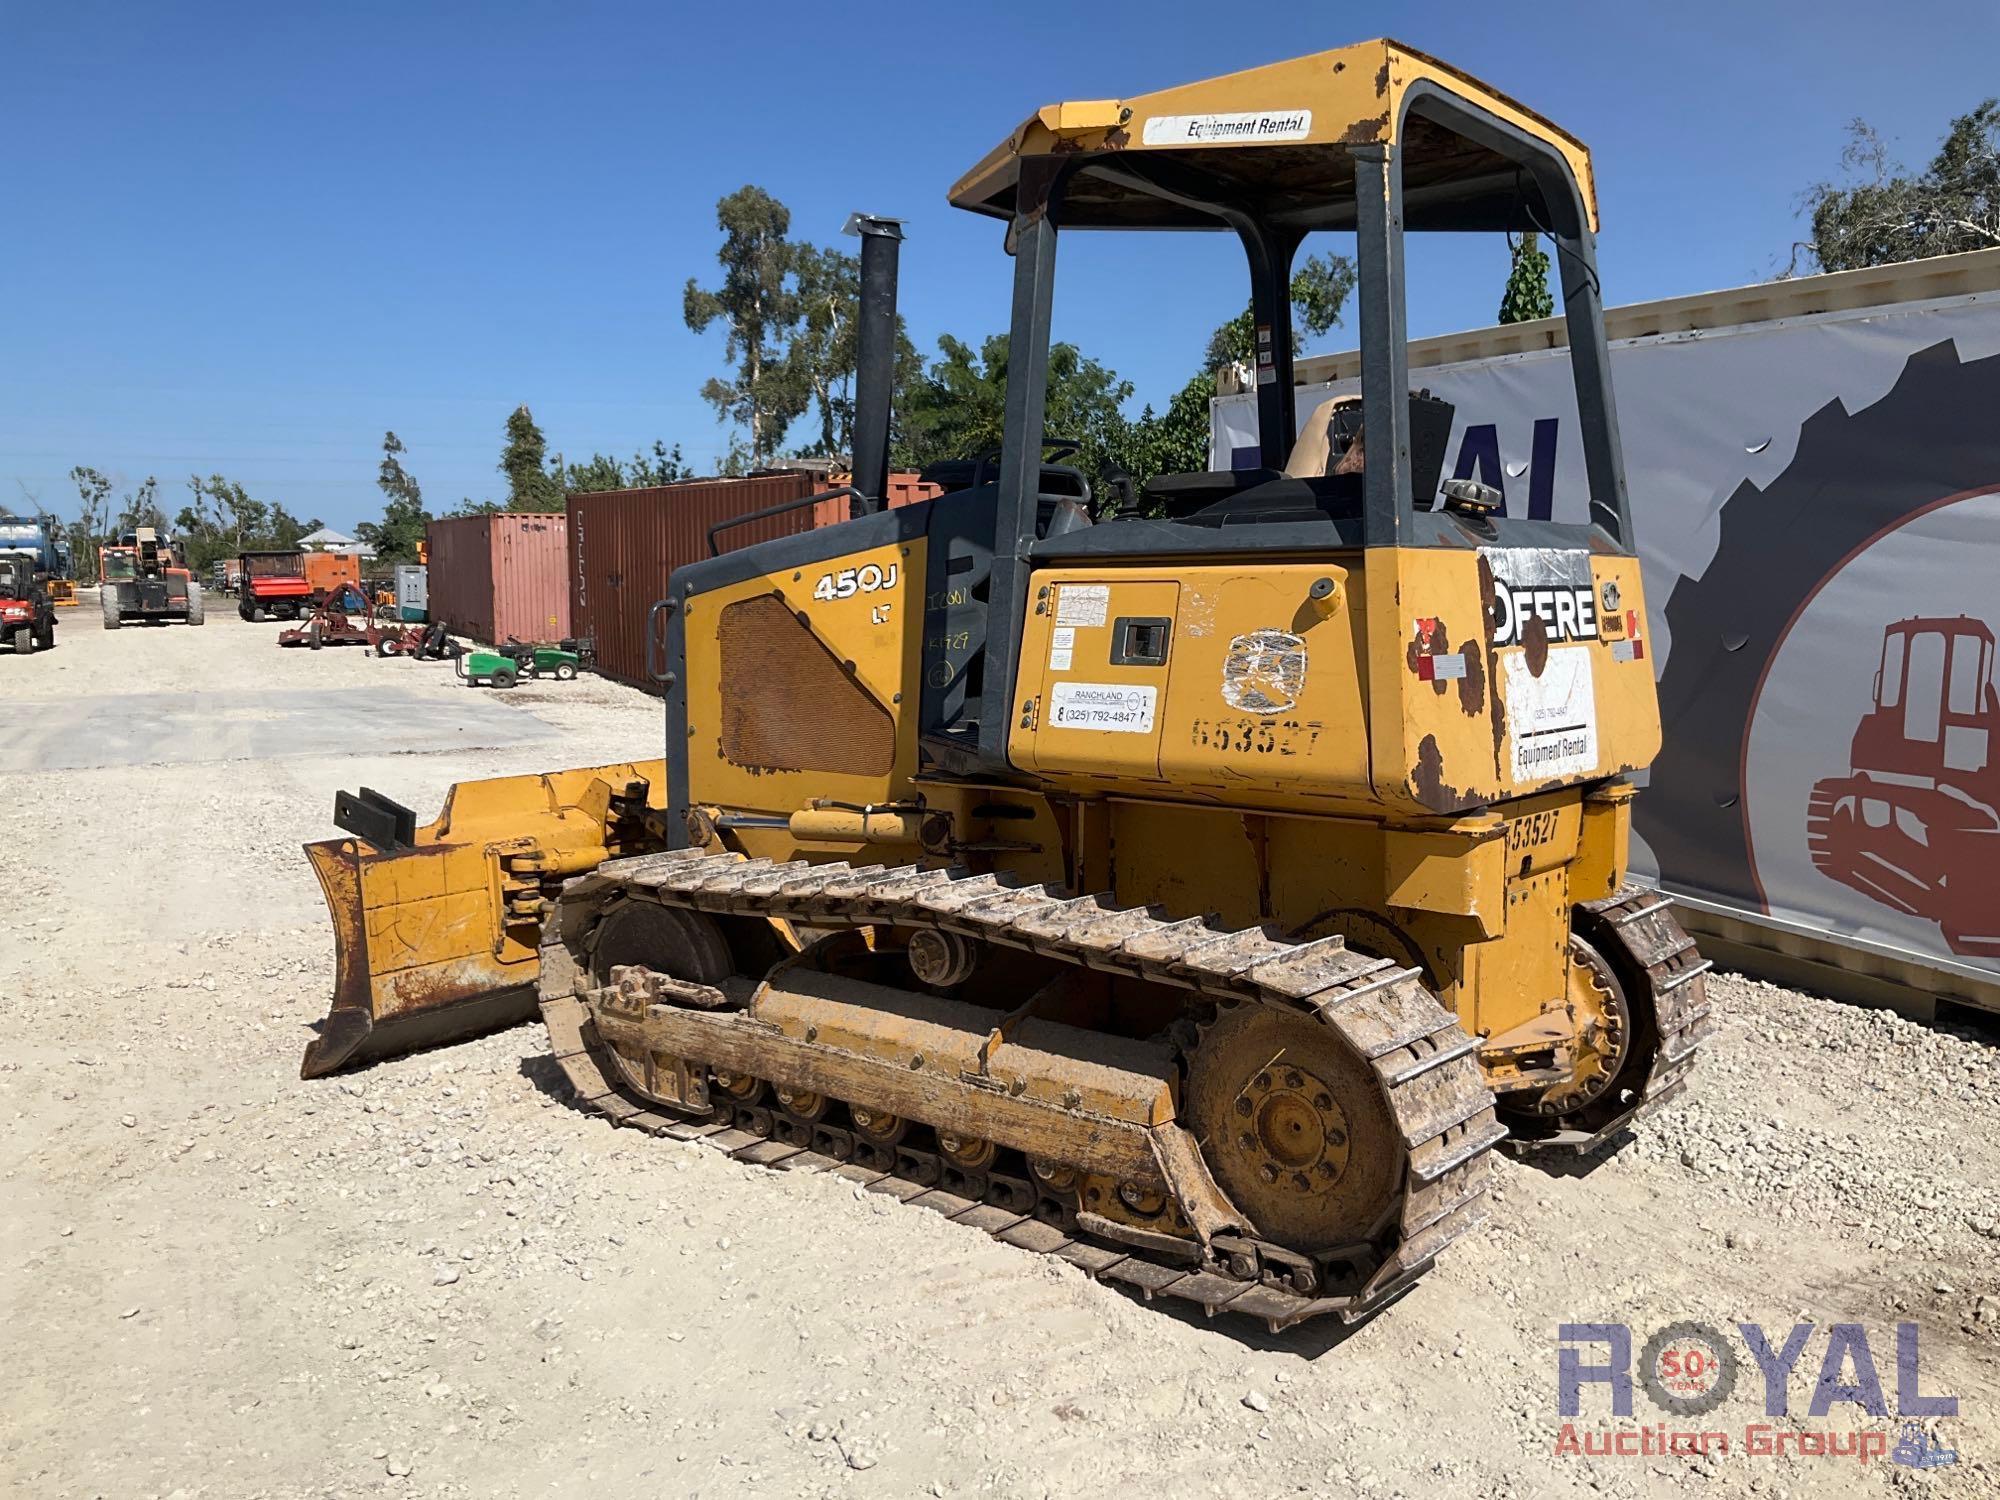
(249, 238)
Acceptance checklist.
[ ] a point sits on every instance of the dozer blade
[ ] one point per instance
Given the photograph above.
(436, 929)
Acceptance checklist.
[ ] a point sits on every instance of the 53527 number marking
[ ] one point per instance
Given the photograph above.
(1530, 832)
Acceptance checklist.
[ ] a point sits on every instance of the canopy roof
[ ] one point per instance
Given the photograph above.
(1259, 142)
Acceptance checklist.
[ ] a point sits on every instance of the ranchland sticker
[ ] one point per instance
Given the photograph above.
(1226, 129)
(1114, 708)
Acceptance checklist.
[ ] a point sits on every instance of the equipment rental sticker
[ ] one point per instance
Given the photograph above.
(1551, 719)
(1083, 603)
(1224, 129)
(1111, 707)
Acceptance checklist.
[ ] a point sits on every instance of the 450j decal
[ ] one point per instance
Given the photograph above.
(867, 579)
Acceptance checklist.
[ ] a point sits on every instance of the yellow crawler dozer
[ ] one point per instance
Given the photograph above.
(1196, 886)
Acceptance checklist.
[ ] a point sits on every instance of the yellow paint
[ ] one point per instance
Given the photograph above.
(1328, 746)
(1355, 94)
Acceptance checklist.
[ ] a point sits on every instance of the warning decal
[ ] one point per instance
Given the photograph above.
(1551, 719)
(1083, 603)
(1111, 707)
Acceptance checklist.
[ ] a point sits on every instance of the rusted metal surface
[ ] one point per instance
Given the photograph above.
(625, 544)
(448, 1001)
(787, 702)
(330, 626)
(1418, 1068)
(500, 576)
(438, 938)
(904, 489)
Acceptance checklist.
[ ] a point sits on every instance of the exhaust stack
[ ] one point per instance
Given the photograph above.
(875, 356)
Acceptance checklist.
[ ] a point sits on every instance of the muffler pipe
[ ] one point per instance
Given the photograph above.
(875, 357)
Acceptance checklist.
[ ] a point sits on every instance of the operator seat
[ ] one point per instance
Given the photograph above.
(1329, 441)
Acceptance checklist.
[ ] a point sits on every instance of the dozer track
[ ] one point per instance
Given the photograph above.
(1636, 928)
(1412, 1051)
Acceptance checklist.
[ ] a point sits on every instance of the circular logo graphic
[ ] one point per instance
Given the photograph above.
(1688, 1369)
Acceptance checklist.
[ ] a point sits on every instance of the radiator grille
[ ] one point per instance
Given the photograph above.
(788, 704)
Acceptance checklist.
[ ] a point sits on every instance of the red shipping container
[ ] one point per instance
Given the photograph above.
(625, 544)
(904, 489)
(500, 576)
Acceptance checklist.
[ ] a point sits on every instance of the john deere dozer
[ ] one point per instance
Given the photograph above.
(1196, 889)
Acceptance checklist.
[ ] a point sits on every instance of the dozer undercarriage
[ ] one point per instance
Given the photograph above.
(1280, 1129)
(1197, 890)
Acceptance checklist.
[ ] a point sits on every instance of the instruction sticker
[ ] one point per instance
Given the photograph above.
(1551, 719)
(1083, 603)
(1226, 129)
(1062, 646)
(1111, 707)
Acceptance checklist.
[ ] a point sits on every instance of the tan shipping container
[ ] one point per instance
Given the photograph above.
(500, 576)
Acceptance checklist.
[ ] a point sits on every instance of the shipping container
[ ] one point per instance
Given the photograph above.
(904, 489)
(624, 544)
(412, 592)
(1815, 478)
(500, 576)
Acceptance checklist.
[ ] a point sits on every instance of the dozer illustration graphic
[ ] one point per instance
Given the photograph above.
(1196, 890)
(1916, 825)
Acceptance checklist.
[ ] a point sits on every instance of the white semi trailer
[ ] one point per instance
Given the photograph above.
(1818, 468)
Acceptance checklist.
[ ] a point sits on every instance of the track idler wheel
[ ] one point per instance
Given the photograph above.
(941, 959)
(1604, 1052)
(683, 945)
(1294, 1128)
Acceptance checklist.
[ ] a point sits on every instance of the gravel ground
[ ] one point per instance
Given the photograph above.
(437, 1278)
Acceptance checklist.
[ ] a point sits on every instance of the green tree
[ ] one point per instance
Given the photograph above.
(663, 465)
(1320, 289)
(757, 305)
(200, 526)
(1884, 214)
(1527, 294)
(286, 529)
(530, 486)
(404, 518)
(86, 532)
(956, 409)
(141, 507)
(818, 368)
(1174, 441)
(248, 520)
(602, 472)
